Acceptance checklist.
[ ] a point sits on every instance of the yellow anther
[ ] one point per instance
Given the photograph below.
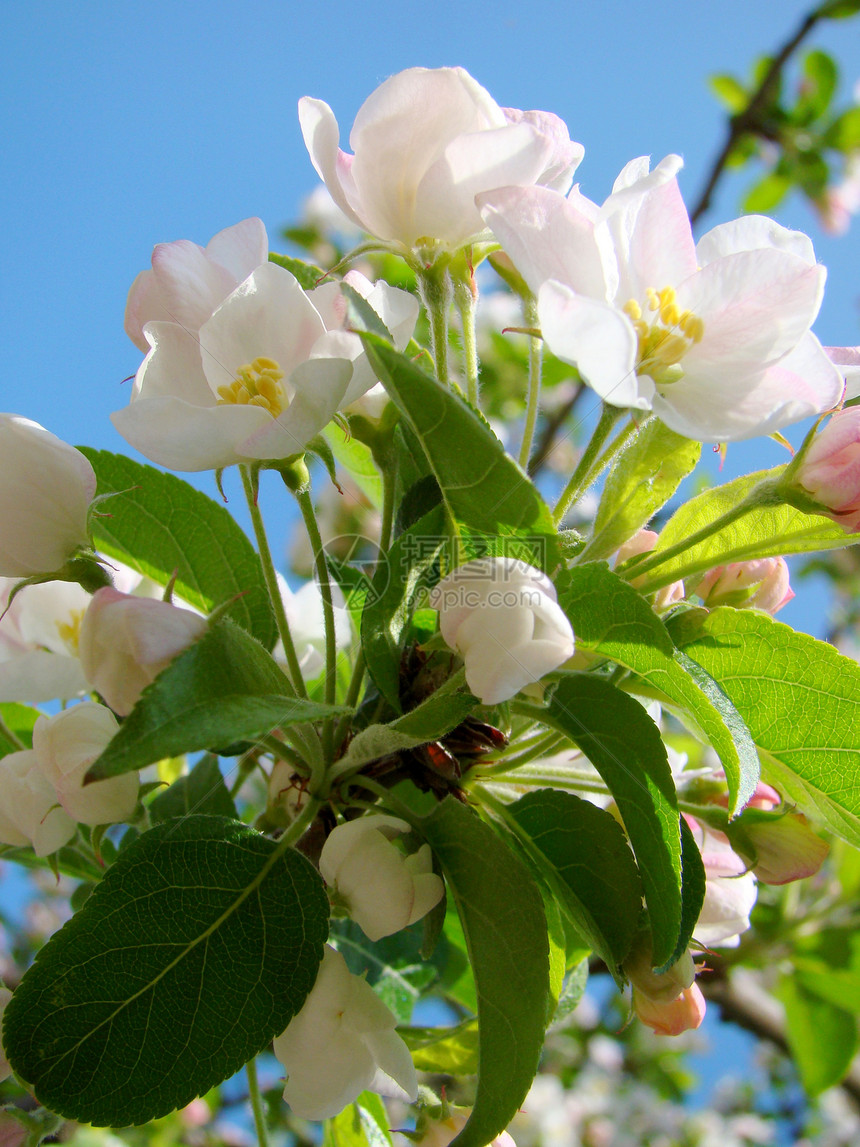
(672, 349)
(666, 296)
(257, 383)
(669, 314)
(694, 329)
(70, 631)
(653, 299)
(666, 338)
(632, 309)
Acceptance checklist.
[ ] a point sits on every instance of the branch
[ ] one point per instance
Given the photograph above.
(552, 424)
(747, 120)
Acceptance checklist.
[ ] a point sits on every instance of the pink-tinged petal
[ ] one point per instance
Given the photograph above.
(173, 367)
(320, 385)
(547, 237)
(756, 306)
(329, 301)
(240, 248)
(596, 339)
(179, 436)
(749, 233)
(269, 316)
(397, 309)
(847, 359)
(321, 136)
(564, 155)
(651, 231)
(191, 285)
(348, 346)
(802, 384)
(144, 304)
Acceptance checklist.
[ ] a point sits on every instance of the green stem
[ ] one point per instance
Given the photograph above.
(584, 473)
(556, 778)
(466, 299)
(294, 675)
(397, 807)
(256, 1103)
(530, 318)
(542, 745)
(434, 284)
(306, 506)
(762, 495)
(7, 735)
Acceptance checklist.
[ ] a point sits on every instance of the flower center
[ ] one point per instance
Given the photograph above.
(70, 631)
(258, 383)
(664, 340)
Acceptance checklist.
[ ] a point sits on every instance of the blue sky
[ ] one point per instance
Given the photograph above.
(135, 122)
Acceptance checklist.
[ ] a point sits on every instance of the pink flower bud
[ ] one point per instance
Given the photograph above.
(781, 848)
(46, 487)
(830, 471)
(762, 584)
(668, 1002)
(685, 1013)
(642, 543)
(126, 641)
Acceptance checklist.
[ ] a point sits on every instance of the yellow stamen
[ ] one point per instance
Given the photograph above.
(632, 309)
(257, 383)
(70, 631)
(664, 340)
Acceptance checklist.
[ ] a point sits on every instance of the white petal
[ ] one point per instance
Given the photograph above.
(240, 248)
(173, 366)
(320, 385)
(321, 136)
(179, 436)
(192, 286)
(598, 340)
(751, 232)
(37, 676)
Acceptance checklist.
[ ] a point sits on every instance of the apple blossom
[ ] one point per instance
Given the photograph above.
(126, 641)
(39, 642)
(341, 1043)
(187, 282)
(503, 618)
(261, 376)
(830, 469)
(425, 143)
(304, 610)
(761, 584)
(643, 542)
(730, 890)
(29, 810)
(668, 1002)
(383, 889)
(5, 997)
(779, 846)
(46, 487)
(713, 337)
(847, 361)
(65, 746)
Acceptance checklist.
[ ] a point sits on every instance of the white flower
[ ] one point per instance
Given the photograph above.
(126, 641)
(341, 1043)
(46, 487)
(65, 746)
(263, 374)
(425, 143)
(29, 810)
(39, 642)
(502, 617)
(304, 610)
(713, 337)
(383, 889)
(730, 890)
(187, 282)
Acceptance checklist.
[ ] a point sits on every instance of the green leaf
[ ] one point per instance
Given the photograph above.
(502, 916)
(583, 852)
(197, 948)
(357, 459)
(692, 886)
(767, 193)
(642, 480)
(158, 525)
(821, 76)
(609, 617)
(222, 689)
(800, 700)
(822, 1038)
(439, 714)
(840, 9)
(448, 1051)
(361, 1124)
(18, 719)
(202, 791)
(768, 531)
(307, 274)
(483, 487)
(401, 578)
(624, 745)
(729, 92)
(844, 132)
(828, 965)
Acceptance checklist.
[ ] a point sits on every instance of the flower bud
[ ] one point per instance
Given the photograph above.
(46, 487)
(502, 617)
(383, 889)
(29, 810)
(760, 584)
(642, 543)
(779, 849)
(65, 746)
(830, 468)
(341, 1043)
(126, 641)
(668, 1002)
